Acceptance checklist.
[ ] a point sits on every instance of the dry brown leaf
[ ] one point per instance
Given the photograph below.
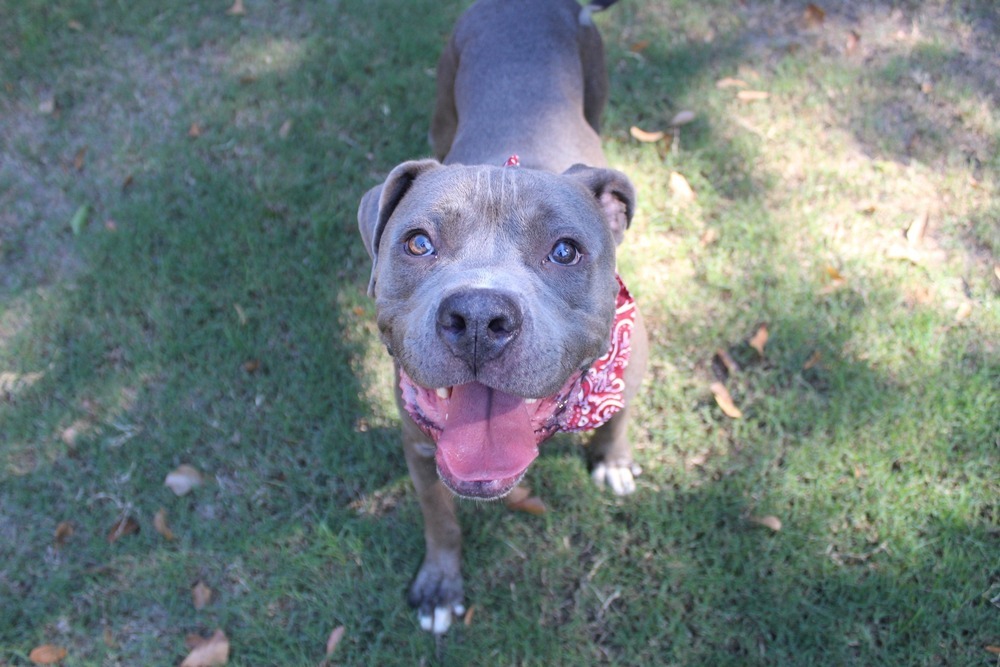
(813, 15)
(640, 46)
(836, 281)
(710, 236)
(995, 650)
(467, 619)
(680, 189)
(963, 311)
(124, 526)
(813, 359)
(752, 95)
(183, 479)
(78, 160)
(334, 639)
(358, 310)
(160, 524)
(47, 654)
(682, 118)
(996, 271)
(75, 25)
(853, 41)
(64, 531)
(47, 106)
(530, 505)
(727, 360)
(644, 136)
(769, 521)
(518, 494)
(201, 595)
(724, 400)
(759, 339)
(108, 638)
(730, 82)
(210, 652)
(285, 128)
(194, 131)
(237, 9)
(915, 232)
(251, 365)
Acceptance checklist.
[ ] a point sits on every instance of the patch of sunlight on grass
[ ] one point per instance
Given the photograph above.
(266, 56)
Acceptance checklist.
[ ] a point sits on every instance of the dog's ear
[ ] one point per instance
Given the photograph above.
(614, 194)
(378, 204)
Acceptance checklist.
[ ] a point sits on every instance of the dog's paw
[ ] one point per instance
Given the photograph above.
(619, 475)
(438, 597)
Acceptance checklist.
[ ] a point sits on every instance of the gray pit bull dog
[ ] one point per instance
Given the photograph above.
(495, 286)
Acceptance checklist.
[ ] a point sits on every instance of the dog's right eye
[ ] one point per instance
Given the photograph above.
(419, 244)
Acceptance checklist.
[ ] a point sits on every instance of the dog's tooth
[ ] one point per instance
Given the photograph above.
(443, 392)
(530, 401)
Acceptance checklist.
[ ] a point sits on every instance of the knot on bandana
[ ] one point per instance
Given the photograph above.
(513, 161)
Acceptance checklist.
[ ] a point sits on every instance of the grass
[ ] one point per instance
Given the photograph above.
(212, 311)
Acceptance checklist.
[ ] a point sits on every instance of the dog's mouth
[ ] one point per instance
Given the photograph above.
(486, 438)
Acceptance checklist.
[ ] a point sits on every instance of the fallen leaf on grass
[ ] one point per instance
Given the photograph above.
(75, 25)
(759, 339)
(915, 232)
(334, 639)
(769, 521)
(813, 359)
(995, 650)
(78, 160)
(680, 189)
(63, 532)
(521, 500)
(853, 41)
(201, 595)
(813, 15)
(47, 106)
(124, 526)
(251, 365)
(160, 524)
(725, 401)
(645, 137)
(710, 236)
(183, 479)
(237, 9)
(79, 219)
(194, 131)
(640, 46)
(836, 281)
(208, 652)
(47, 654)
(682, 118)
(285, 128)
(727, 361)
(467, 619)
(752, 95)
(963, 311)
(730, 82)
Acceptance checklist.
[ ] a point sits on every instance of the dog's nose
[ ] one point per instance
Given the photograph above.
(478, 324)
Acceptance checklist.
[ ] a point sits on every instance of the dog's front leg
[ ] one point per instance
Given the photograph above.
(436, 591)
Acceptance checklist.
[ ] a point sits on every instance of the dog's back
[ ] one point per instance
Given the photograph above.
(525, 77)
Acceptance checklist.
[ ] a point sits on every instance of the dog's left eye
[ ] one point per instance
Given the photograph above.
(565, 252)
(419, 245)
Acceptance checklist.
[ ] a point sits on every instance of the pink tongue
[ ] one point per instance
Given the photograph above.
(487, 435)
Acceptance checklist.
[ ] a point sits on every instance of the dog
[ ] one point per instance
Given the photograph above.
(494, 274)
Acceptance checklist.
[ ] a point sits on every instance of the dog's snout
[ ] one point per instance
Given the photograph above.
(478, 325)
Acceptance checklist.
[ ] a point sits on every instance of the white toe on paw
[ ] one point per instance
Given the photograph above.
(620, 477)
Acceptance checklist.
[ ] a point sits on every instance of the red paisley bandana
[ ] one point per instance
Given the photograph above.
(600, 392)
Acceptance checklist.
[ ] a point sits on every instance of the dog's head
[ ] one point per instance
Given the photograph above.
(495, 288)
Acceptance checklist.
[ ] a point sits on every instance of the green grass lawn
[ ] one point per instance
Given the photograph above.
(210, 309)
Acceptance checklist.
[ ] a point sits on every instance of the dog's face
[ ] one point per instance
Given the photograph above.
(495, 288)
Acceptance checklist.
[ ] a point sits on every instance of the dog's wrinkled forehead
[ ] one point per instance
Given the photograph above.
(505, 201)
